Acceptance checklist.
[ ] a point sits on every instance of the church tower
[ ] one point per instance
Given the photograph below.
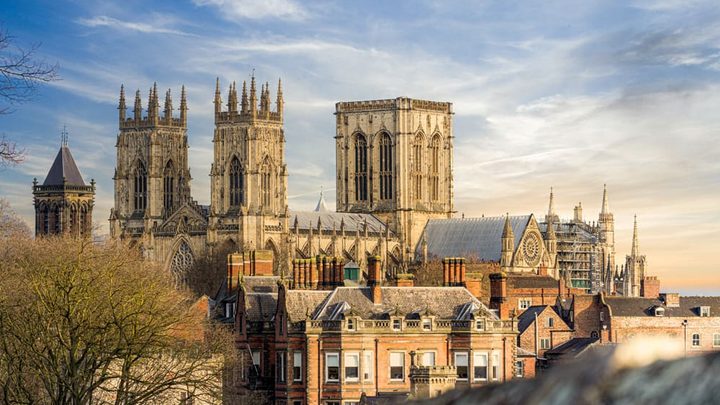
(63, 203)
(606, 236)
(248, 178)
(394, 160)
(152, 177)
(634, 266)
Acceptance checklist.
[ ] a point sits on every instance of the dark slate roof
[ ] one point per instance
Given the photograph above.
(531, 281)
(572, 347)
(689, 306)
(443, 302)
(64, 167)
(300, 303)
(528, 316)
(253, 284)
(476, 238)
(260, 306)
(353, 221)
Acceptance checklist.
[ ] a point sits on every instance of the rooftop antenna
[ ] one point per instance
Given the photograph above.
(64, 136)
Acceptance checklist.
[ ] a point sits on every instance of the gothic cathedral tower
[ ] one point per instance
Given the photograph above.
(63, 203)
(152, 178)
(249, 175)
(394, 160)
(606, 234)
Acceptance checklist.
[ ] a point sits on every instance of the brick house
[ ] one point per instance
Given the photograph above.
(541, 328)
(327, 344)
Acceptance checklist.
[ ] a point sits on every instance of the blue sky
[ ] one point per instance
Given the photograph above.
(546, 93)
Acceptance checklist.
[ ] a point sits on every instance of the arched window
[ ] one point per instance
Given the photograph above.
(182, 263)
(237, 180)
(83, 226)
(58, 222)
(417, 167)
(73, 222)
(435, 168)
(386, 167)
(140, 187)
(265, 183)
(169, 187)
(45, 213)
(361, 168)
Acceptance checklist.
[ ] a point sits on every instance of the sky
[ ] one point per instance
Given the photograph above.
(564, 94)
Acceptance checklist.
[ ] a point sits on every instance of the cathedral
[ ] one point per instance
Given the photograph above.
(394, 194)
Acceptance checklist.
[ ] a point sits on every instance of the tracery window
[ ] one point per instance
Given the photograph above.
(386, 167)
(417, 167)
(182, 263)
(82, 223)
(169, 187)
(266, 184)
(237, 181)
(435, 169)
(361, 168)
(72, 223)
(140, 187)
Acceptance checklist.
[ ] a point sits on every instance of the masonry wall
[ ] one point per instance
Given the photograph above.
(625, 328)
(558, 334)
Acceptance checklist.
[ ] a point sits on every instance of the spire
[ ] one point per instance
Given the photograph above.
(635, 246)
(321, 206)
(244, 100)
(137, 111)
(507, 229)
(122, 107)
(551, 230)
(279, 101)
(168, 108)
(155, 103)
(183, 107)
(218, 100)
(64, 170)
(253, 95)
(605, 207)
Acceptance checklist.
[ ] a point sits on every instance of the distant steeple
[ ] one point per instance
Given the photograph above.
(551, 206)
(122, 108)
(64, 170)
(635, 246)
(508, 244)
(605, 206)
(321, 206)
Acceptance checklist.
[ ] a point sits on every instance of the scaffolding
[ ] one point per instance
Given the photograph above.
(579, 255)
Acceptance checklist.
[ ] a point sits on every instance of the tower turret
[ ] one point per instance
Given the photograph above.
(218, 100)
(168, 115)
(253, 97)
(137, 111)
(183, 108)
(244, 100)
(635, 251)
(279, 103)
(508, 245)
(153, 106)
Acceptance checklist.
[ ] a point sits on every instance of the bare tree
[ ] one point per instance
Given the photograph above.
(85, 323)
(20, 74)
(11, 225)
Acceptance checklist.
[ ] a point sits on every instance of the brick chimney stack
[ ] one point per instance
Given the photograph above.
(498, 294)
(234, 269)
(375, 278)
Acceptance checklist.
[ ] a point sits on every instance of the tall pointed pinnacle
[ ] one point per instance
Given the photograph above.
(551, 229)
(244, 100)
(507, 229)
(156, 104)
(64, 137)
(605, 206)
(635, 245)
(183, 107)
(279, 100)
(168, 108)
(218, 100)
(551, 206)
(137, 111)
(121, 106)
(253, 95)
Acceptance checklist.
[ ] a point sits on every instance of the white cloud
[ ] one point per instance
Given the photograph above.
(156, 27)
(257, 9)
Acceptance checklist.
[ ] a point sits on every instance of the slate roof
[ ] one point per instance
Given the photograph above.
(528, 316)
(531, 281)
(477, 238)
(353, 221)
(443, 302)
(302, 302)
(253, 284)
(64, 167)
(260, 306)
(689, 306)
(572, 347)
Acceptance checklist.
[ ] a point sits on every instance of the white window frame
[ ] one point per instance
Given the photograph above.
(460, 355)
(346, 357)
(705, 311)
(297, 364)
(281, 366)
(693, 340)
(543, 345)
(476, 360)
(524, 303)
(495, 366)
(716, 339)
(402, 365)
(520, 369)
(367, 365)
(350, 324)
(479, 324)
(397, 324)
(328, 356)
(427, 324)
(256, 358)
(422, 358)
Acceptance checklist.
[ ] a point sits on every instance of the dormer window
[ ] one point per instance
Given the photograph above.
(480, 324)
(350, 324)
(705, 311)
(659, 311)
(427, 324)
(396, 324)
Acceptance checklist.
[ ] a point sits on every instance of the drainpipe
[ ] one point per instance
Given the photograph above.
(376, 366)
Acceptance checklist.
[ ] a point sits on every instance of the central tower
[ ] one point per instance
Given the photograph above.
(249, 175)
(394, 160)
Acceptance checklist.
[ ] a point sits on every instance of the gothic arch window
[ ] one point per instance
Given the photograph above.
(417, 166)
(181, 264)
(237, 183)
(73, 220)
(83, 227)
(386, 167)
(266, 183)
(434, 181)
(169, 187)
(45, 214)
(140, 187)
(361, 168)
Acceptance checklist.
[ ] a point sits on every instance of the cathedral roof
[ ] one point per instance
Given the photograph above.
(64, 167)
(476, 238)
(328, 220)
